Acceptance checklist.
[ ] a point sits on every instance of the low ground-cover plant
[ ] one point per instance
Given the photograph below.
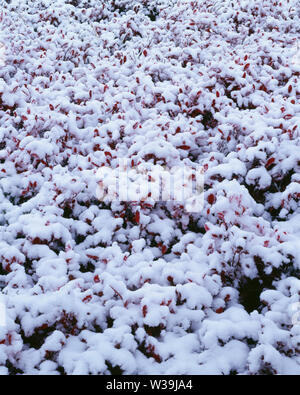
(133, 287)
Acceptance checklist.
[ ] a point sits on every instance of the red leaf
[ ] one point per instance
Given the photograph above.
(270, 162)
(171, 280)
(94, 257)
(87, 298)
(227, 298)
(145, 310)
(184, 147)
(163, 249)
(221, 216)
(211, 198)
(137, 217)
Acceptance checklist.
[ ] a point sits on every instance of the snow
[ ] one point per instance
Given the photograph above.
(140, 283)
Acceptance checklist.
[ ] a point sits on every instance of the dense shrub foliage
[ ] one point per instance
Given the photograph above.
(136, 288)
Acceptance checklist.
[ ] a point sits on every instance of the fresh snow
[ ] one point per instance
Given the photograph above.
(145, 287)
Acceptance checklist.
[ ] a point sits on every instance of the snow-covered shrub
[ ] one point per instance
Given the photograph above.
(147, 287)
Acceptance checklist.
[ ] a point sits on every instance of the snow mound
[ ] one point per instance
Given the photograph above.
(146, 287)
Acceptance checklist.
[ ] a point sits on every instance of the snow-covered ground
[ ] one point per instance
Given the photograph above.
(145, 287)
